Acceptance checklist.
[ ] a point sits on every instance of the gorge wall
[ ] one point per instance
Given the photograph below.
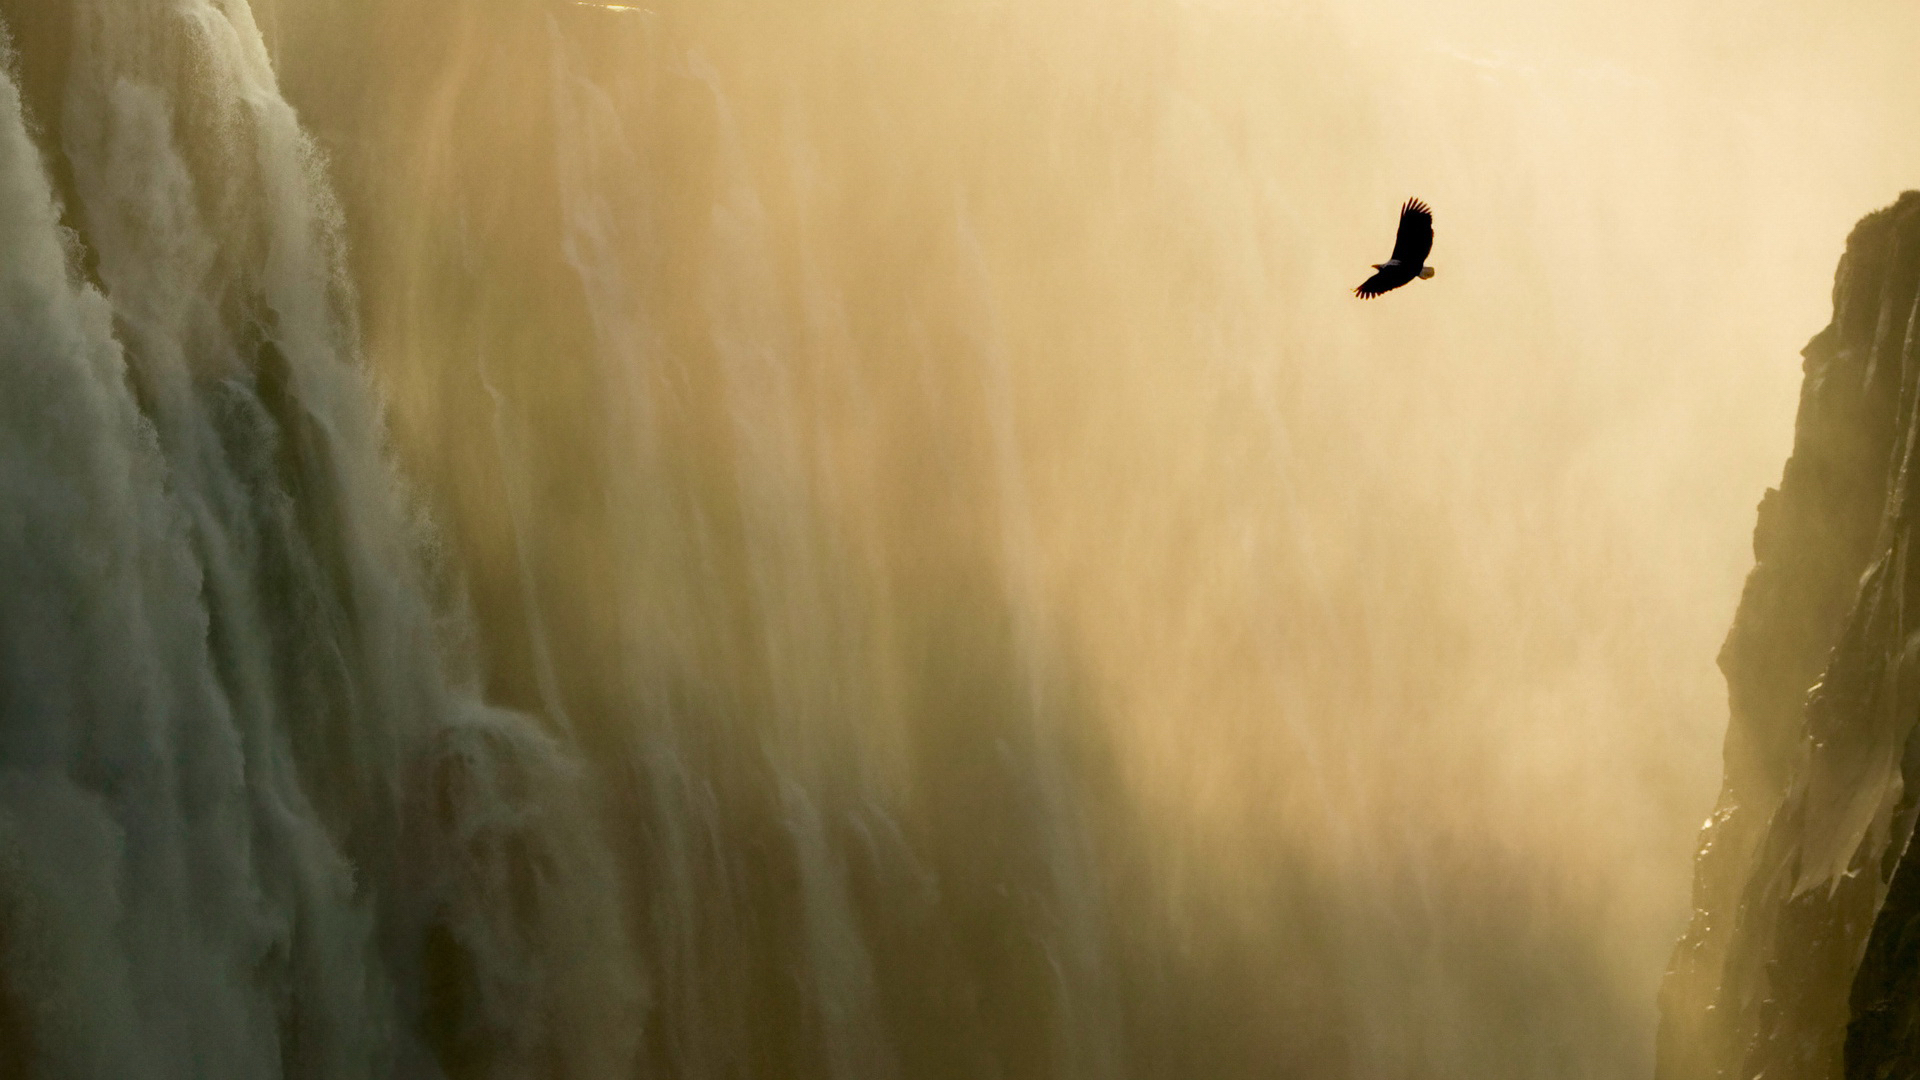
(851, 540)
(1801, 957)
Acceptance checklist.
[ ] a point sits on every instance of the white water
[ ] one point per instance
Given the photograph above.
(244, 783)
(912, 568)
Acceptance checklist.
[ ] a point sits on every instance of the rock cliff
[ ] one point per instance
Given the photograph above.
(1799, 961)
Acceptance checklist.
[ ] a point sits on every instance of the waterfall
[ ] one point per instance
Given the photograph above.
(858, 541)
(255, 810)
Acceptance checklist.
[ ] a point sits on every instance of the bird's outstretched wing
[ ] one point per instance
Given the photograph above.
(1390, 276)
(1416, 234)
(1373, 286)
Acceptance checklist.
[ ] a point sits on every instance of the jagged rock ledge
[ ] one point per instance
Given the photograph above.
(1800, 960)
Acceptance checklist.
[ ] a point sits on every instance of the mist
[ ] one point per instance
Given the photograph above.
(880, 543)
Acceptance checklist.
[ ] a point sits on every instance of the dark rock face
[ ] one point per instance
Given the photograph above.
(1800, 958)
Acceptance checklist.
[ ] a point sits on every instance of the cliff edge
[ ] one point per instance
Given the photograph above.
(1800, 959)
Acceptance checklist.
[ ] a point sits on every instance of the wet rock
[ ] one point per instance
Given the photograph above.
(1806, 905)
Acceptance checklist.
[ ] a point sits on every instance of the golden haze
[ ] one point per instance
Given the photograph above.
(1397, 619)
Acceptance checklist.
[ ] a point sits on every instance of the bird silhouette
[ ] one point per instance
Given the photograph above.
(1410, 250)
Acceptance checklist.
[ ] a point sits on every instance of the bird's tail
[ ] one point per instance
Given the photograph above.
(1426, 272)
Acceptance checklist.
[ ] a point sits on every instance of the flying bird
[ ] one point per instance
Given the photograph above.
(1409, 253)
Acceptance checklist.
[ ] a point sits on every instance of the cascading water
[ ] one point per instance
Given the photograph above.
(255, 812)
(907, 566)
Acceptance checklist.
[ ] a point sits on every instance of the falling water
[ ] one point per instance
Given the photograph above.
(255, 810)
(864, 542)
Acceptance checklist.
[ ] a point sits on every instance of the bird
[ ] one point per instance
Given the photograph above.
(1409, 253)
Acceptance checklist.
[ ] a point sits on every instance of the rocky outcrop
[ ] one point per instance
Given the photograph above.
(1799, 960)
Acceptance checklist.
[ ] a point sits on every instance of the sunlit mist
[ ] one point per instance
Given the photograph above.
(916, 480)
